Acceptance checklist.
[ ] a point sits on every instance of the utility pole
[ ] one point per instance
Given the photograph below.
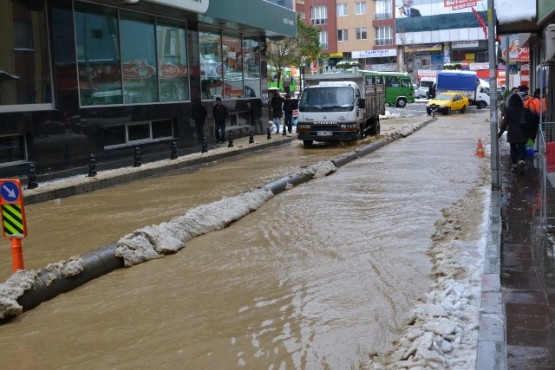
(495, 172)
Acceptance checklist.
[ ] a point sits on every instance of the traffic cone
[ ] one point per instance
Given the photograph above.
(480, 149)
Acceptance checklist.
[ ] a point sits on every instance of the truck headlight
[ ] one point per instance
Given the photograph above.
(301, 126)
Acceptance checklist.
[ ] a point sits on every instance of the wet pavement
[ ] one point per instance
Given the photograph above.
(527, 271)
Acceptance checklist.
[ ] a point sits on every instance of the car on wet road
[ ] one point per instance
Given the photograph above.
(448, 102)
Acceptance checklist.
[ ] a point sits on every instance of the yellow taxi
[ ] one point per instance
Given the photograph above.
(447, 102)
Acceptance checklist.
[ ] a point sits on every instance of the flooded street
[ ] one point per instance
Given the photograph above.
(317, 278)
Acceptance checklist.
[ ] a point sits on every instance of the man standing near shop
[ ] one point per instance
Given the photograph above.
(219, 111)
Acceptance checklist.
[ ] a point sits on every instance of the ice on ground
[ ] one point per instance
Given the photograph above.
(169, 237)
(442, 331)
(12, 289)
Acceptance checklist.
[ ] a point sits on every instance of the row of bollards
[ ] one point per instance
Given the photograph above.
(32, 176)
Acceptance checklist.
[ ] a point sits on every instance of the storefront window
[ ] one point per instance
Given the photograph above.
(211, 67)
(251, 67)
(172, 56)
(138, 53)
(98, 55)
(233, 67)
(24, 64)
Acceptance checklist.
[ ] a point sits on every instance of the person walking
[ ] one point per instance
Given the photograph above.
(220, 114)
(536, 107)
(277, 109)
(514, 124)
(288, 108)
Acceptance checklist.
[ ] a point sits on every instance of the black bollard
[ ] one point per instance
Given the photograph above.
(174, 150)
(137, 157)
(230, 139)
(268, 133)
(32, 184)
(92, 166)
(251, 138)
(204, 145)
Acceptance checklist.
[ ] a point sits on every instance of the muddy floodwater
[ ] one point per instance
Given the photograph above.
(317, 278)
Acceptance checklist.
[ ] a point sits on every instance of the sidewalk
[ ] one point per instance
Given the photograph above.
(527, 271)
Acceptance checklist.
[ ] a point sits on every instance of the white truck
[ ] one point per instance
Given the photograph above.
(339, 107)
(467, 83)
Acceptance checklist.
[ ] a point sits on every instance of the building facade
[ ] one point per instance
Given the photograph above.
(104, 77)
(439, 32)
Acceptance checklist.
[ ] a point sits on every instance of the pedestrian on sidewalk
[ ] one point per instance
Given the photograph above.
(536, 107)
(515, 125)
(219, 111)
(277, 109)
(288, 108)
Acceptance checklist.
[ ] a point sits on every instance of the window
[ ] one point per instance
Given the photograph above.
(12, 149)
(383, 9)
(384, 36)
(25, 60)
(98, 59)
(360, 7)
(233, 67)
(211, 65)
(137, 132)
(342, 35)
(318, 15)
(172, 59)
(138, 54)
(251, 67)
(361, 33)
(341, 10)
(153, 63)
(324, 40)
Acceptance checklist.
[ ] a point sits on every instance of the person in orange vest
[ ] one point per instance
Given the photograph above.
(535, 107)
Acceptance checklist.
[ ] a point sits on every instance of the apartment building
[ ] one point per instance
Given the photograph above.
(385, 35)
(353, 29)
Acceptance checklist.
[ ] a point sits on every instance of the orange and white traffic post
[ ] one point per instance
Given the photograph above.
(14, 225)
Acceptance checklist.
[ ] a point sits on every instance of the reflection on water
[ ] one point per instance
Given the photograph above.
(318, 277)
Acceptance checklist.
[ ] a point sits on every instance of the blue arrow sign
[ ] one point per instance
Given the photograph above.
(9, 191)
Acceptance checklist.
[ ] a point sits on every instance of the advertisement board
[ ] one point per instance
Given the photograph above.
(436, 20)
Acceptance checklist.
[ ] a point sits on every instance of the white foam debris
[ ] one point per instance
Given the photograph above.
(156, 240)
(12, 289)
(321, 169)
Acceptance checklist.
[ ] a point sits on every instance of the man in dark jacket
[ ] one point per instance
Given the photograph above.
(288, 108)
(219, 111)
(199, 113)
(277, 109)
(514, 123)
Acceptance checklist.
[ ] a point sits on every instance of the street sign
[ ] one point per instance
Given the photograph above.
(12, 212)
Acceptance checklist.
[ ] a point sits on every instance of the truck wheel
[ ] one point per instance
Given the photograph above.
(448, 111)
(307, 143)
(481, 104)
(463, 109)
(402, 102)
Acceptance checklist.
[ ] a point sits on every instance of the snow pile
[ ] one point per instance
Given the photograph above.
(510, 11)
(320, 169)
(12, 289)
(441, 332)
(66, 268)
(154, 241)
